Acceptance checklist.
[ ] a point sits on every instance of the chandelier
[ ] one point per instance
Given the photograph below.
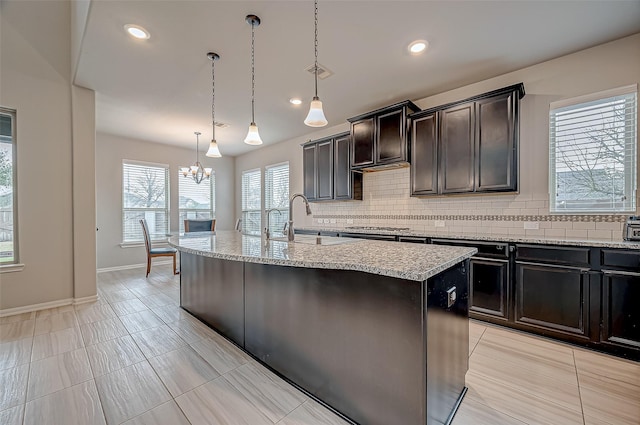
(197, 171)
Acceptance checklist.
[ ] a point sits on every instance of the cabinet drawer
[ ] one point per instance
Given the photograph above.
(576, 257)
(621, 259)
(485, 249)
(412, 239)
(391, 238)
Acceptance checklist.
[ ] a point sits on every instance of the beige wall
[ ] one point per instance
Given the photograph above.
(111, 150)
(386, 193)
(35, 81)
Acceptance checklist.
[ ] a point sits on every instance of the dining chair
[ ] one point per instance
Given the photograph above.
(199, 225)
(156, 252)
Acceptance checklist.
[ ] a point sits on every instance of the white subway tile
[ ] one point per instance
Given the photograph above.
(555, 233)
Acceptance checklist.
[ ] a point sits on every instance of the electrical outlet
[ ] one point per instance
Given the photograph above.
(438, 223)
(531, 225)
(333, 221)
(319, 221)
(349, 221)
(326, 221)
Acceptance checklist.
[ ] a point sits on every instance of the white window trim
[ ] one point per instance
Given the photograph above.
(15, 266)
(242, 210)
(618, 91)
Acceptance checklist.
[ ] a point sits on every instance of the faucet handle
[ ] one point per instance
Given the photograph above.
(285, 228)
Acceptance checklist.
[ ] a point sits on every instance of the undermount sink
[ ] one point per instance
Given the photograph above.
(318, 240)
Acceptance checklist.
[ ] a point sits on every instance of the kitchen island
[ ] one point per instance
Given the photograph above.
(377, 331)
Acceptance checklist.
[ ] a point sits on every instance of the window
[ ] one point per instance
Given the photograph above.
(276, 195)
(8, 192)
(196, 201)
(145, 194)
(592, 152)
(251, 201)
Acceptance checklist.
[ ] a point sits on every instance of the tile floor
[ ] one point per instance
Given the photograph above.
(136, 358)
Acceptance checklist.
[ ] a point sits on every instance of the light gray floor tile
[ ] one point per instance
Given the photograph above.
(128, 307)
(218, 402)
(95, 313)
(115, 296)
(220, 354)
(157, 300)
(109, 356)
(58, 372)
(103, 330)
(140, 321)
(191, 330)
(165, 414)
(54, 310)
(182, 370)
(55, 322)
(12, 416)
(16, 330)
(171, 313)
(53, 343)
(312, 413)
(17, 318)
(15, 353)
(130, 392)
(13, 386)
(274, 397)
(145, 291)
(156, 341)
(112, 286)
(77, 405)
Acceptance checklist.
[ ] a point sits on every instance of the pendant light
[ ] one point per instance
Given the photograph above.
(253, 138)
(213, 151)
(197, 171)
(316, 117)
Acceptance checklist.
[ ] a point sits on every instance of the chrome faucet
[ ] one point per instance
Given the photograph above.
(290, 232)
(267, 232)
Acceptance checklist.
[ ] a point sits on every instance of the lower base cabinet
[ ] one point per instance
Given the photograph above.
(489, 289)
(621, 309)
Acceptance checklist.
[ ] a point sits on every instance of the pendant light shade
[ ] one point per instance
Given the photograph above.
(213, 151)
(253, 138)
(315, 117)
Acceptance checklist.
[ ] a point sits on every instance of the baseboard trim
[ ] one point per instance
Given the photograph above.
(132, 266)
(44, 306)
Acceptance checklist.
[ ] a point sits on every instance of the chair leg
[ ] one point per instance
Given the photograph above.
(175, 270)
(148, 265)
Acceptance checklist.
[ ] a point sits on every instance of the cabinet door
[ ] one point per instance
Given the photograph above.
(553, 298)
(309, 171)
(489, 291)
(362, 142)
(620, 312)
(324, 172)
(457, 148)
(496, 135)
(424, 155)
(342, 188)
(390, 138)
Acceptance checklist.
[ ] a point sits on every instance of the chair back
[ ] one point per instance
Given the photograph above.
(145, 232)
(199, 225)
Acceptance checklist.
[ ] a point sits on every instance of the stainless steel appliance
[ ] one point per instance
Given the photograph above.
(631, 231)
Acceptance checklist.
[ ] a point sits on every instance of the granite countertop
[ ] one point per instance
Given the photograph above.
(492, 238)
(404, 261)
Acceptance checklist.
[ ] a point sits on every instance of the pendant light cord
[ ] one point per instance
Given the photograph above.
(213, 100)
(315, 68)
(197, 145)
(253, 72)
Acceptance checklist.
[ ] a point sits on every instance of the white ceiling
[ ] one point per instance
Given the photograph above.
(160, 89)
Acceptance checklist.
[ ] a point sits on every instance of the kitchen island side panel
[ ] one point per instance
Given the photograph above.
(213, 290)
(352, 339)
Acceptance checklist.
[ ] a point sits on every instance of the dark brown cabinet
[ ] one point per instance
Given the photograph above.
(620, 312)
(468, 146)
(326, 170)
(380, 137)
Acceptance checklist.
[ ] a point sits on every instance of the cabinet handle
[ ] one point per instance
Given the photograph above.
(620, 272)
(554, 266)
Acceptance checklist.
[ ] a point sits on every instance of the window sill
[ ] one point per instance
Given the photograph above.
(10, 268)
(141, 244)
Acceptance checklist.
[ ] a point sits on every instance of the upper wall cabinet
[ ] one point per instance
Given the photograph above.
(380, 137)
(467, 146)
(326, 170)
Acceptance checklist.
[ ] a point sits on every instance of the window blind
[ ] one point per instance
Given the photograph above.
(592, 153)
(276, 195)
(251, 202)
(196, 201)
(8, 194)
(145, 194)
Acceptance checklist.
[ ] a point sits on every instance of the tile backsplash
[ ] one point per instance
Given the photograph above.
(387, 203)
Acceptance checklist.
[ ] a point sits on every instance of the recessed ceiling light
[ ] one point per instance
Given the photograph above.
(418, 47)
(295, 101)
(137, 31)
